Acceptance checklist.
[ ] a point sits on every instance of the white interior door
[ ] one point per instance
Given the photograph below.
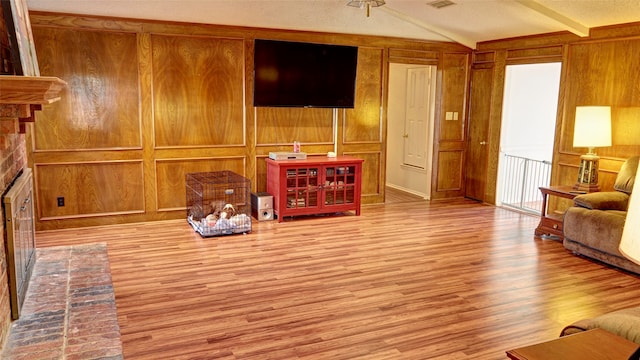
(417, 116)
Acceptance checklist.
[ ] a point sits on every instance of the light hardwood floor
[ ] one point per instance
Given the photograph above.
(412, 280)
(393, 195)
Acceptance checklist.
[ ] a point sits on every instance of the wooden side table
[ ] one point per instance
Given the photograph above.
(596, 344)
(551, 224)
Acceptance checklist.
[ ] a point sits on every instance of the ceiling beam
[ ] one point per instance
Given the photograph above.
(570, 24)
(429, 27)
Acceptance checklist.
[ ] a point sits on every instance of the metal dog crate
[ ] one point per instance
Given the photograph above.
(218, 203)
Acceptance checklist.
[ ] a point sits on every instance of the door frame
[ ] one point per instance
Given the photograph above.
(392, 128)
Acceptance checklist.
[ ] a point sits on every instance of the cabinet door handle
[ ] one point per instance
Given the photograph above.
(483, 143)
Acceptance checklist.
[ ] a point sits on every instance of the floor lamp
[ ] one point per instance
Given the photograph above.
(592, 129)
(630, 243)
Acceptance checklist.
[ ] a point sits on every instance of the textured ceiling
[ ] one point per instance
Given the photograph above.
(466, 22)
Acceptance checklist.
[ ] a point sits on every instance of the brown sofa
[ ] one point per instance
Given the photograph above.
(625, 323)
(593, 226)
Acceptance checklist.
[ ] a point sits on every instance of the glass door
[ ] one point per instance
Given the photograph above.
(339, 185)
(302, 188)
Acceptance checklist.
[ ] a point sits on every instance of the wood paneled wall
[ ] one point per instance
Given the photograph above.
(102, 100)
(197, 91)
(598, 70)
(149, 102)
(451, 134)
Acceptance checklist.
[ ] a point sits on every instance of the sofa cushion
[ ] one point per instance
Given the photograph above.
(627, 175)
(596, 229)
(625, 323)
(606, 200)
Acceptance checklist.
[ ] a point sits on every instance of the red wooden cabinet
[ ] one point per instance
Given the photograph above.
(316, 185)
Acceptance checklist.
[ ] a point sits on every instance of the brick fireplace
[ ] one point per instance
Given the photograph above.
(13, 158)
(20, 97)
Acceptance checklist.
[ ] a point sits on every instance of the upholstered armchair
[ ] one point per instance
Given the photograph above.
(593, 226)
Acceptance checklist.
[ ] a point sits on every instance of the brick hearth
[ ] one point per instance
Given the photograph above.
(70, 310)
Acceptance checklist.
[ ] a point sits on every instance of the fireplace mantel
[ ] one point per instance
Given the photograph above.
(20, 96)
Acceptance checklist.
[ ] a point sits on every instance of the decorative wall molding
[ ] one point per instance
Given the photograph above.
(21, 96)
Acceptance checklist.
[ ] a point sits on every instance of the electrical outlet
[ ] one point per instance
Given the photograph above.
(60, 201)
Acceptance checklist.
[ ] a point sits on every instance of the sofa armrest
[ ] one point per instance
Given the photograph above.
(624, 322)
(606, 200)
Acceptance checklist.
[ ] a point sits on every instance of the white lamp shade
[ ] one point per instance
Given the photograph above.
(630, 243)
(592, 127)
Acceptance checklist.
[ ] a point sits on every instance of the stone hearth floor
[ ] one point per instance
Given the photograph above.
(70, 310)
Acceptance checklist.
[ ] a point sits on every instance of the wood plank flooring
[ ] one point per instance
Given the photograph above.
(411, 280)
(393, 195)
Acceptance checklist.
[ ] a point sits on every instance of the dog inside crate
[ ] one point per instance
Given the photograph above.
(218, 203)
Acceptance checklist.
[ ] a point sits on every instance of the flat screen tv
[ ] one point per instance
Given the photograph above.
(295, 74)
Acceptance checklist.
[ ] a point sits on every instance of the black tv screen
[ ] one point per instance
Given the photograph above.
(298, 74)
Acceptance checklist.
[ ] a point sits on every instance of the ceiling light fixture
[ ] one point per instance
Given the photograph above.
(439, 4)
(368, 4)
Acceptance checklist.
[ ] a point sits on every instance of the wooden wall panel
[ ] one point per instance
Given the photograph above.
(448, 175)
(198, 91)
(89, 189)
(176, 98)
(102, 95)
(450, 171)
(605, 73)
(171, 174)
(261, 173)
(598, 70)
(363, 123)
(484, 57)
(371, 184)
(530, 55)
(454, 79)
(277, 126)
(404, 56)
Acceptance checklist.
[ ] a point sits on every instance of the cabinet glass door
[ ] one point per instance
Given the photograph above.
(302, 188)
(339, 185)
